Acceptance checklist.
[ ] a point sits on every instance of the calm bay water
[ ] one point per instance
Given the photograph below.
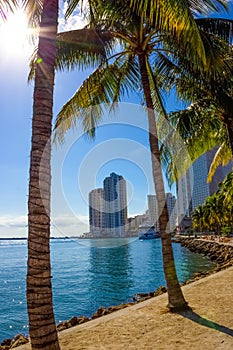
(86, 277)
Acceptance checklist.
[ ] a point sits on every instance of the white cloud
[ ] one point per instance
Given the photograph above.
(9, 221)
(76, 21)
(13, 226)
(61, 225)
(69, 225)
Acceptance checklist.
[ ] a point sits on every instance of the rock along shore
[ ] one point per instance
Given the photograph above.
(221, 253)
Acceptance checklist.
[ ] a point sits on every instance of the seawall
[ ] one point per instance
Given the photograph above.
(221, 253)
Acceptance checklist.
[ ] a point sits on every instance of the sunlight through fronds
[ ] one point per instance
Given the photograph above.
(106, 86)
(222, 157)
(33, 10)
(8, 6)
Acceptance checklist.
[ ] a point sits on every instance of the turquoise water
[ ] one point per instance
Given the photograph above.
(86, 277)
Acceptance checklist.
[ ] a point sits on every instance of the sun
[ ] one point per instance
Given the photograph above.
(14, 36)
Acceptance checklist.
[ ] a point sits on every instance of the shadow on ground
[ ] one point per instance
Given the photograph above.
(191, 315)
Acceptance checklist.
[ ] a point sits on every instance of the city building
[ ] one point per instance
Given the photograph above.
(115, 204)
(96, 210)
(184, 190)
(172, 210)
(193, 189)
(108, 207)
(153, 210)
(136, 221)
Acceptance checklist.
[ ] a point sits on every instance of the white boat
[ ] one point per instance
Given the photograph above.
(147, 231)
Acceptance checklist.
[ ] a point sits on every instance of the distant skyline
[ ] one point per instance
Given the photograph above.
(106, 154)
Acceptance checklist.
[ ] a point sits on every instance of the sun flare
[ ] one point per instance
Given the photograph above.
(14, 35)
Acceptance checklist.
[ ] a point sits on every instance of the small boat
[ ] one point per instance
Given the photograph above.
(148, 232)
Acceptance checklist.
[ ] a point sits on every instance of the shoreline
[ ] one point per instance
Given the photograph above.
(208, 324)
(195, 245)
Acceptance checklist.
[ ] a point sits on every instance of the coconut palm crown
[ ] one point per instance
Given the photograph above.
(133, 66)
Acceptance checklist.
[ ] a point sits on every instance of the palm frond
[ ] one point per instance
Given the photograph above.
(104, 87)
(7, 5)
(223, 28)
(72, 5)
(202, 6)
(200, 128)
(222, 157)
(82, 48)
(33, 10)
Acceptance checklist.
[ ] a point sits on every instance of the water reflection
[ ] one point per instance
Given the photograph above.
(111, 271)
(106, 242)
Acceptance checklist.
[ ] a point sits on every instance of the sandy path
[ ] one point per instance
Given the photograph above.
(147, 325)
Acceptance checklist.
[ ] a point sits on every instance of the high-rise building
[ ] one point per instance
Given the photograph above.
(153, 210)
(96, 211)
(184, 190)
(172, 210)
(115, 204)
(193, 189)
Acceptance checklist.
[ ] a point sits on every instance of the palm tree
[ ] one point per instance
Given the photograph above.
(216, 213)
(129, 69)
(207, 121)
(197, 217)
(42, 326)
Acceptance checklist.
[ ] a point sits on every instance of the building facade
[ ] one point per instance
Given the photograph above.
(96, 211)
(108, 207)
(172, 210)
(184, 191)
(115, 204)
(153, 210)
(193, 189)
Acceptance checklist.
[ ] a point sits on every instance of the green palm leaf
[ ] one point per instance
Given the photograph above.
(82, 48)
(218, 26)
(105, 86)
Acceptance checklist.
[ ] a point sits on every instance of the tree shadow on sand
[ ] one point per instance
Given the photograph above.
(191, 315)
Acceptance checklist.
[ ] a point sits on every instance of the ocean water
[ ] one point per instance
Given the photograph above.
(86, 276)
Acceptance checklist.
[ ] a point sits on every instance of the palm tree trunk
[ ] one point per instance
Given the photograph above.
(176, 299)
(42, 326)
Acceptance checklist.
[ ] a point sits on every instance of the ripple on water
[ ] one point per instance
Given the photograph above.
(87, 277)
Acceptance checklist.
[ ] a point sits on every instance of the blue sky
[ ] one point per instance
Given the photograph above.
(79, 165)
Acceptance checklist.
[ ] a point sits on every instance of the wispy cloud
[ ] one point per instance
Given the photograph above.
(69, 225)
(61, 225)
(76, 21)
(13, 221)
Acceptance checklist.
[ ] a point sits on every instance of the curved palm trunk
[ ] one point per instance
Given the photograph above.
(176, 299)
(42, 327)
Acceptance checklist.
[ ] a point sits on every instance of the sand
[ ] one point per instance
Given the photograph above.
(148, 325)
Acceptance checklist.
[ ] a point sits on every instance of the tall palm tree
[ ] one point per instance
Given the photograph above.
(42, 326)
(128, 69)
(197, 219)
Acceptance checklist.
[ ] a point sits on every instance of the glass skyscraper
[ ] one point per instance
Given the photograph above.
(193, 189)
(108, 207)
(115, 204)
